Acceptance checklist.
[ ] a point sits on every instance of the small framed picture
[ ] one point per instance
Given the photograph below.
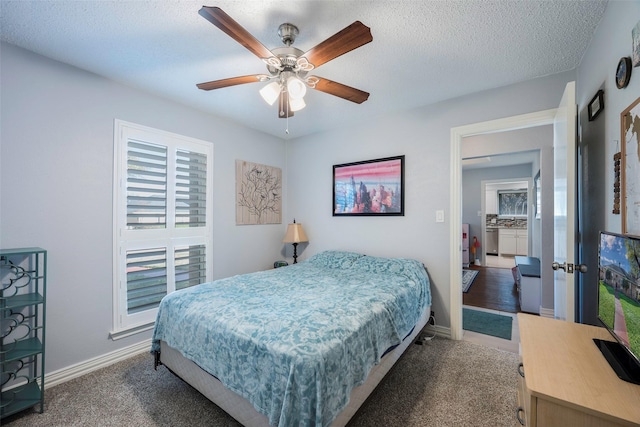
(369, 188)
(596, 105)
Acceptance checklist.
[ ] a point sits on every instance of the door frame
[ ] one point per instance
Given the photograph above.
(539, 118)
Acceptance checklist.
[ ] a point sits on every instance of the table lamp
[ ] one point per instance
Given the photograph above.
(295, 234)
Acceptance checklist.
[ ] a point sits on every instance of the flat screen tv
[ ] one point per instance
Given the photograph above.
(619, 302)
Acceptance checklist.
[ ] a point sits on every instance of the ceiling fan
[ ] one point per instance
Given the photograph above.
(288, 66)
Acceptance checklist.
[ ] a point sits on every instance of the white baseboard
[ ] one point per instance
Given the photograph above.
(440, 331)
(74, 371)
(547, 312)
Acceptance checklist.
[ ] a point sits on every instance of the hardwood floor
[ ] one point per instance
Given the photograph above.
(493, 288)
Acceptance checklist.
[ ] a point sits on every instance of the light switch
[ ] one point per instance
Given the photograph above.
(440, 216)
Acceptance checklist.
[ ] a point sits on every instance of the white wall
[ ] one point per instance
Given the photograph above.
(56, 185)
(423, 136)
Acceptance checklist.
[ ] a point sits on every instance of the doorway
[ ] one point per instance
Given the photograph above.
(457, 134)
(496, 196)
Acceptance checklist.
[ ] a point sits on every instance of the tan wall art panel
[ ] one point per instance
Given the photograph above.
(258, 194)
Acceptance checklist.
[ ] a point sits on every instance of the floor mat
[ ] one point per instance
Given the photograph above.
(467, 279)
(486, 323)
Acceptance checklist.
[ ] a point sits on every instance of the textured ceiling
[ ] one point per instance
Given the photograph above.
(422, 51)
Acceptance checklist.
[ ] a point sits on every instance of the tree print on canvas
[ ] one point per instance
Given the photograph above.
(258, 194)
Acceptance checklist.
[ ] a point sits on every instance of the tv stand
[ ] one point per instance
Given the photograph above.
(565, 381)
(625, 367)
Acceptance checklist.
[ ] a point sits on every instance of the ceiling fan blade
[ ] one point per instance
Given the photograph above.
(351, 37)
(218, 84)
(343, 91)
(220, 19)
(284, 110)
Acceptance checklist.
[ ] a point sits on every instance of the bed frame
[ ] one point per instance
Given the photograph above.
(243, 411)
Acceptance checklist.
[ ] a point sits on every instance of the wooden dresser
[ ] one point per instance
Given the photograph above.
(567, 382)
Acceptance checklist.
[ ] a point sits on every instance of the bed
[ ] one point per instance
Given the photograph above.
(302, 345)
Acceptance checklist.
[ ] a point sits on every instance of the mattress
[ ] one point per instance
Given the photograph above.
(243, 411)
(296, 341)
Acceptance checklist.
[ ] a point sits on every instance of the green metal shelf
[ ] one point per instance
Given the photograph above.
(23, 312)
(19, 349)
(21, 251)
(20, 398)
(23, 300)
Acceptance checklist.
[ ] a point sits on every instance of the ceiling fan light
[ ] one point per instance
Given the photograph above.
(296, 88)
(296, 104)
(270, 92)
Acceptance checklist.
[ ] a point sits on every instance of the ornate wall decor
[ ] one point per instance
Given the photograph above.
(630, 131)
(258, 194)
(616, 183)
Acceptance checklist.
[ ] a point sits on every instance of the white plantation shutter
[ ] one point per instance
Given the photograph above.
(191, 186)
(146, 185)
(163, 220)
(190, 266)
(146, 278)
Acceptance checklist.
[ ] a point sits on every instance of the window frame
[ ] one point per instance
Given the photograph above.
(169, 237)
(513, 191)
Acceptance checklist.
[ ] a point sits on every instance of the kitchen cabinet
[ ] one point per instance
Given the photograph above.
(513, 241)
(491, 202)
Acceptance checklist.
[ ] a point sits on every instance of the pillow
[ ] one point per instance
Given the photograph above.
(409, 268)
(334, 259)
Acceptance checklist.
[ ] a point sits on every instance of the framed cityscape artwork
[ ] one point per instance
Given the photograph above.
(369, 188)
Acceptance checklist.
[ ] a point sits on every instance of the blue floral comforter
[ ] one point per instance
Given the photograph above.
(296, 340)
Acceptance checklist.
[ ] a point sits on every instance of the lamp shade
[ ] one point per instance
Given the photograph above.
(270, 92)
(296, 88)
(295, 234)
(296, 104)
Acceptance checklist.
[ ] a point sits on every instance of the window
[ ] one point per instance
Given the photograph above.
(163, 220)
(512, 202)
